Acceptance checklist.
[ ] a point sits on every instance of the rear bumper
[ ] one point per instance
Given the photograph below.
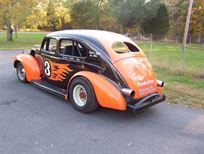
(147, 101)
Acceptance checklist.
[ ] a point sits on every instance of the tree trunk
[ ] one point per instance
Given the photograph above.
(16, 35)
(9, 30)
(199, 37)
(63, 23)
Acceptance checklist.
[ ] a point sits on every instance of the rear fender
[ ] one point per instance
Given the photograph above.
(31, 66)
(106, 92)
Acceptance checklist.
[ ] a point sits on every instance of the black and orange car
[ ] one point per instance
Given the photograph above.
(92, 68)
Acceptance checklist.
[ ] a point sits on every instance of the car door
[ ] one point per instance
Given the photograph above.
(54, 72)
(62, 59)
(72, 59)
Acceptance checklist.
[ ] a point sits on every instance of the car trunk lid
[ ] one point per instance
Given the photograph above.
(138, 74)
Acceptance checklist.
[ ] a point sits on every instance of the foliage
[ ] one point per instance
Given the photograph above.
(49, 15)
(177, 16)
(11, 13)
(84, 14)
(90, 14)
(134, 12)
(197, 21)
(135, 16)
(158, 25)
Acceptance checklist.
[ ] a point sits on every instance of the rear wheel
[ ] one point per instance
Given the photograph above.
(82, 95)
(21, 74)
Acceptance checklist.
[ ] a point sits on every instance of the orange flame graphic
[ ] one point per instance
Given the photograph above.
(59, 71)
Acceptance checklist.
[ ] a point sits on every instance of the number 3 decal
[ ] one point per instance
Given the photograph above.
(47, 68)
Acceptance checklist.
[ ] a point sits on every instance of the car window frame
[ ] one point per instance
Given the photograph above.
(46, 41)
(73, 40)
(125, 43)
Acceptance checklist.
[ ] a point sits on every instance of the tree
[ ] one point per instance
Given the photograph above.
(88, 13)
(159, 25)
(11, 13)
(38, 17)
(197, 21)
(177, 18)
(132, 13)
(51, 16)
(82, 14)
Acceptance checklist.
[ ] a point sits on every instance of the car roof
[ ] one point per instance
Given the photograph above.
(87, 36)
(99, 35)
(103, 40)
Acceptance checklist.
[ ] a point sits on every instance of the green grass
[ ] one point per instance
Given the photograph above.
(183, 71)
(25, 41)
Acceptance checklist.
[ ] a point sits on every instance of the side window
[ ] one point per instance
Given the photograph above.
(45, 45)
(66, 47)
(50, 45)
(72, 48)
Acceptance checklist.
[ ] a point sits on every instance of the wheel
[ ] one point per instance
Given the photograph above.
(21, 74)
(82, 95)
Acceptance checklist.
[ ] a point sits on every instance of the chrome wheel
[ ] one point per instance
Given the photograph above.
(80, 95)
(21, 72)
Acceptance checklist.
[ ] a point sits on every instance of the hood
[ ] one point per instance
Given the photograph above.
(138, 73)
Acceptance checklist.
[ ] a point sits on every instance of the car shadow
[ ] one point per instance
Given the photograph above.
(104, 113)
(112, 114)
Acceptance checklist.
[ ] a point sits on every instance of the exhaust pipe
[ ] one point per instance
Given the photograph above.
(128, 92)
(160, 83)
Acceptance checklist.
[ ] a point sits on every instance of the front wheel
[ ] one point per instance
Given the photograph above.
(82, 95)
(21, 74)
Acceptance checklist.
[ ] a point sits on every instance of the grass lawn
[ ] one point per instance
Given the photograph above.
(183, 72)
(23, 41)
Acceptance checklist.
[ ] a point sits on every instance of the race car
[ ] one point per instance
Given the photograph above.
(92, 68)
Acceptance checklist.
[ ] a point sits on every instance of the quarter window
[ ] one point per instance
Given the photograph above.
(120, 47)
(124, 47)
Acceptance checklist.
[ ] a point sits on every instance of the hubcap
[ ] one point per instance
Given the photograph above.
(80, 95)
(21, 72)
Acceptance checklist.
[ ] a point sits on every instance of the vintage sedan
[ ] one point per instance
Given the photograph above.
(92, 68)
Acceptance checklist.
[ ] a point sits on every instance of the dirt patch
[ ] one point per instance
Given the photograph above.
(200, 76)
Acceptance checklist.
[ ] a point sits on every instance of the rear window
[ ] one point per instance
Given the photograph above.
(124, 47)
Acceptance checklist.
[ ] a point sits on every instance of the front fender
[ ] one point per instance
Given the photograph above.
(106, 92)
(30, 65)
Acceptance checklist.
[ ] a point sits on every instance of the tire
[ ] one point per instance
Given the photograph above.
(82, 95)
(21, 74)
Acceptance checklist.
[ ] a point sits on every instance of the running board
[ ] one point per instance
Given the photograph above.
(50, 88)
